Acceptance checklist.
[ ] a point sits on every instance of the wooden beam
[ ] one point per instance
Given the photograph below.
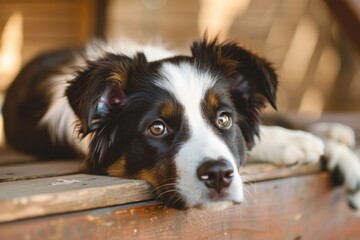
(347, 13)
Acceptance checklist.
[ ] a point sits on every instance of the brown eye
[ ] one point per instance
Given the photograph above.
(157, 128)
(224, 120)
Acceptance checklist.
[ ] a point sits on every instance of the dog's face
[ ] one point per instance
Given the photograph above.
(183, 124)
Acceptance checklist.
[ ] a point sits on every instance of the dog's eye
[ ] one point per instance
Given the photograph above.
(224, 120)
(157, 128)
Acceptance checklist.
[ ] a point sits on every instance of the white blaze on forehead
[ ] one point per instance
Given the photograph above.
(186, 83)
(189, 86)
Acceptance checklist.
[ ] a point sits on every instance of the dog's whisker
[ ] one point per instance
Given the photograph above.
(166, 192)
(250, 190)
(160, 190)
(177, 198)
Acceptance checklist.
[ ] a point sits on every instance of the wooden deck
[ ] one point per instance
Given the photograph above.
(51, 200)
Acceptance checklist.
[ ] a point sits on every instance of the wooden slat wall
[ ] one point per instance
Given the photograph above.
(269, 27)
(50, 24)
(348, 14)
(175, 21)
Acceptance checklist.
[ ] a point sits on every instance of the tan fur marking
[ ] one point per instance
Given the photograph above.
(147, 176)
(117, 169)
(230, 64)
(213, 100)
(167, 109)
(119, 76)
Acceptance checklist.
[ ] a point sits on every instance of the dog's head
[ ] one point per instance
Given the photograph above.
(183, 123)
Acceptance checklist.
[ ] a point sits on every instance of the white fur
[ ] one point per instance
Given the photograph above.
(286, 147)
(59, 119)
(189, 86)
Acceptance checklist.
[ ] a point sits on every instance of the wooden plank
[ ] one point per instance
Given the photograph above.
(294, 208)
(9, 156)
(32, 198)
(39, 197)
(38, 169)
(264, 171)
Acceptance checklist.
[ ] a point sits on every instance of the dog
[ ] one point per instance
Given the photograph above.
(183, 123)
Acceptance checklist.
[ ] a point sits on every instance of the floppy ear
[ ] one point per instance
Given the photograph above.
(252, 80)
(97, 96)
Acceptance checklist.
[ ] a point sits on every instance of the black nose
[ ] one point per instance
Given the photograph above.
(216, 174)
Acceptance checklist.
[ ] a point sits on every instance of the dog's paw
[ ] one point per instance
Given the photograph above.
(339, 156)
(354, 201)
(334, 131)
(287, 147)
(300, 147)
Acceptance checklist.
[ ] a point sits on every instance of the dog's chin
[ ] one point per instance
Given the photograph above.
(215, 206)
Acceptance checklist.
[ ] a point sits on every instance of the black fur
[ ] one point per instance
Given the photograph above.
(27, 100)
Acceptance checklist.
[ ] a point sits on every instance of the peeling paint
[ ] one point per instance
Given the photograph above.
(60, 182)
(297, 217)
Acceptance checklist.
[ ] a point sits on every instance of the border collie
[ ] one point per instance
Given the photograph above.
(184, 123)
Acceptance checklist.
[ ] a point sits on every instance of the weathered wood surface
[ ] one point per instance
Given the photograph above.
(256, 172)
(305, 207)
(27, 167)
(37, 170)
(39, 197)
(10, 156)
(44, 196)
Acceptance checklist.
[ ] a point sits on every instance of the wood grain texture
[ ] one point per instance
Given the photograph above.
(38, 169)
(9, 156)
(256, 172)
(40, 197)
(44, 196)
(294, 208)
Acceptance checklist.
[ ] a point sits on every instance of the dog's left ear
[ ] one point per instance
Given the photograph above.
(98, 90)
(253, 81)
(97, 95)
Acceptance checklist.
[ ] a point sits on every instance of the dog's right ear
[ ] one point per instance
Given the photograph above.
(98, 91)
(252, 80)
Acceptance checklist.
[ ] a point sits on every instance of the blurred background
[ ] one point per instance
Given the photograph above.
(314, 44)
